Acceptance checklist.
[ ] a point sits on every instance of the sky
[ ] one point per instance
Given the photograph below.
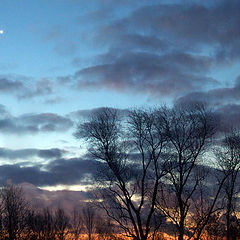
(62, 59)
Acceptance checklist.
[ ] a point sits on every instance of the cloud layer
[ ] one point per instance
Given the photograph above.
(59, 171)
(32, 123)
(164, 50)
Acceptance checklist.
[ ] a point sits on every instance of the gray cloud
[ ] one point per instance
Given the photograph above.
(51, 153)
(24, 87)
(33, 123)
(224, 102)
(60, 171)
(192, 25)
(31, 152)
(160, 49)
(45, 122)
(148, 73)
(215, 97)
(229, 117)
(7, 85)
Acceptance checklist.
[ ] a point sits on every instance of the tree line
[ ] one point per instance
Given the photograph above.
(160, 170)
(20, 221)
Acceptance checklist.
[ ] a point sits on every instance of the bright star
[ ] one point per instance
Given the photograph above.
(1, 31)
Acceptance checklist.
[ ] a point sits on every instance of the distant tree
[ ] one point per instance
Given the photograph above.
(2, 231)
(215, 226)
(62, 223)
(31, 230)
(105, 229)
(43, 224)
(47, 225)
(35, 224)
(228, 156)
(89, 218)
(76, 223)
(14, 211)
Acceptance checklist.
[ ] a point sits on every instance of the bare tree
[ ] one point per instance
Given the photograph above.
(44, 225)
(229, 161)
(47, 225)
(62, 224)
(214, 227)
(105, 229)
(89, 220)
(207, 205)
(36, 224)
(31, 230)
(14, 210)
(76, 223)
(188, 129)
(130, 152)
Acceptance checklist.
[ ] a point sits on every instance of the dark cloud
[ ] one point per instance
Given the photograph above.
(31, 152)
(192, 25)
(33, 123)
(51, 153)
(215, 97)
(148, 73)
(45, 122)
(7, 85)
(24, 87)
(161, 49)
(60, 171)
(74, 169)
(15, 154)
(18, 174)
(224, 103)
(229, 117)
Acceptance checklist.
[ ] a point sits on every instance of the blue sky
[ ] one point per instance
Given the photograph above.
(62, 58)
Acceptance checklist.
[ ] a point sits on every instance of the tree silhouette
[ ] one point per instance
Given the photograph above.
(228, 155)
(14, 210)
(188, 131)
(130, 152)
